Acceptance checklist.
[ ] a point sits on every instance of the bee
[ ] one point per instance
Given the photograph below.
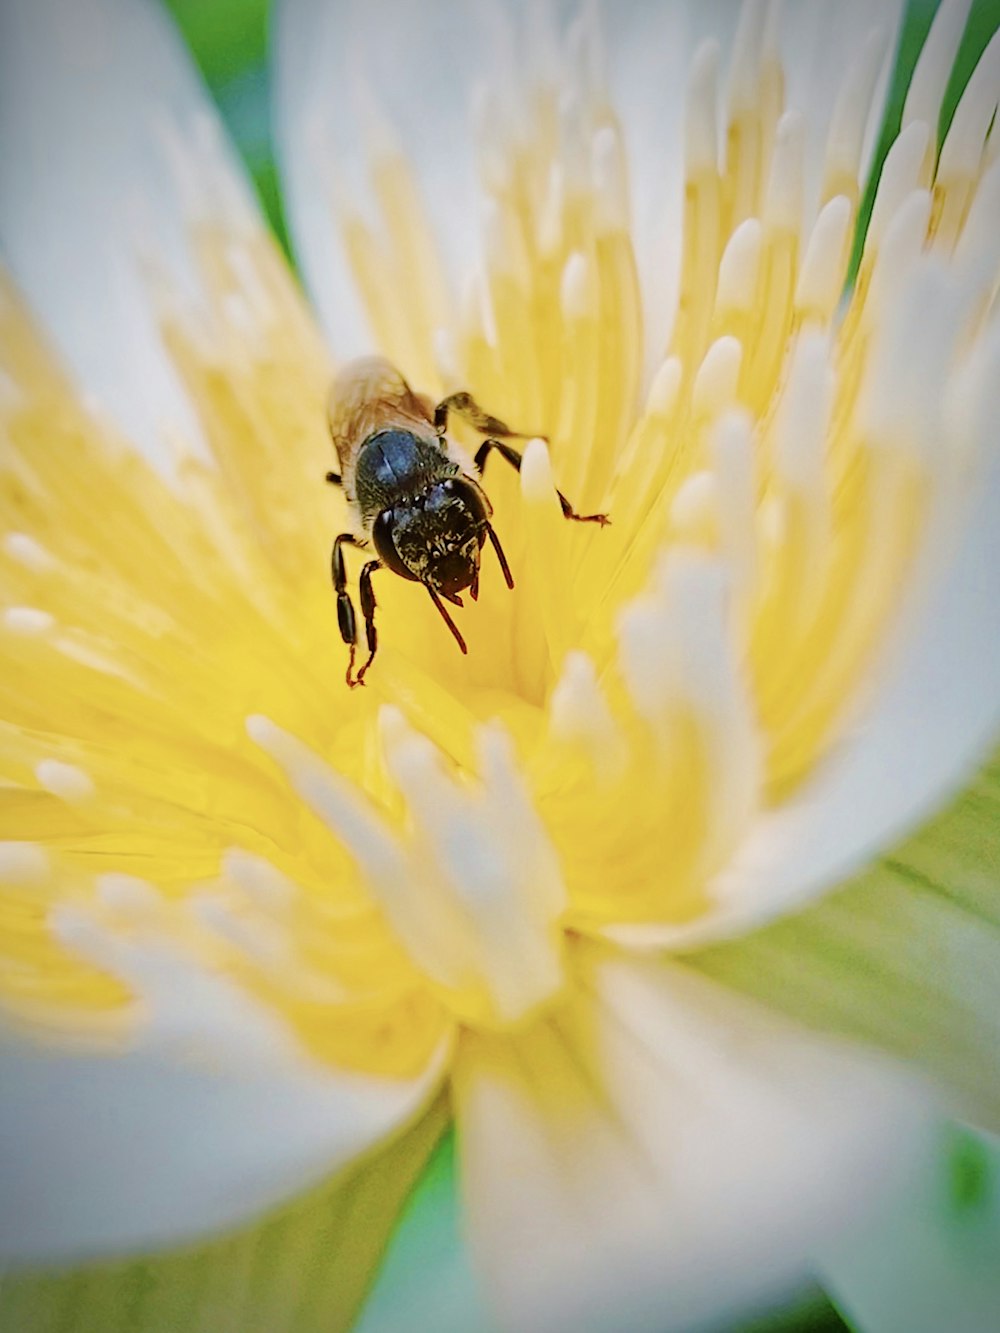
(414, 495)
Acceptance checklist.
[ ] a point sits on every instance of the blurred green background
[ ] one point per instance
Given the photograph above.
(930, 1266)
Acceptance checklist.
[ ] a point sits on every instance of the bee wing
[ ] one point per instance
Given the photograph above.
(370, 395)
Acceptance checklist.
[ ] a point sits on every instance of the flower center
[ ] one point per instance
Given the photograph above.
(596, 758)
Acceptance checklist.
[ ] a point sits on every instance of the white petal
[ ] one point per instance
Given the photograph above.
(930, 719)
(661, 1154)
(108, 147)
(214, 1116)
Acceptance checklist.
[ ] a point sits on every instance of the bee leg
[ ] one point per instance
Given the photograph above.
(465, 406)
(368, 605)
(333, 478)
(514, 459)
(345, 607)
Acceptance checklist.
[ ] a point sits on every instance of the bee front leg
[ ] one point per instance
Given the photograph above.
(512, 456)
(368, 605)
(345, 607)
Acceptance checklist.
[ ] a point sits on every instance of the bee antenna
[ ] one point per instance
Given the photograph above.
(446, 618)
(500, 556)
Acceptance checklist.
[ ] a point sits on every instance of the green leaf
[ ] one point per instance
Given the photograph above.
(305, 1269)
(226, 36)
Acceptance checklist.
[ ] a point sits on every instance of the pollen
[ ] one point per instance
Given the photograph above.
(186, 782)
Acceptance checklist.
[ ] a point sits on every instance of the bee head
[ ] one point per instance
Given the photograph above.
(436, 536)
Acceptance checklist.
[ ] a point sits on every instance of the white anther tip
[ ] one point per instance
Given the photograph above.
(732, 433)
(579, 667)
(494, 745)
(665, 387)
(236, 862)
(23, 864)
(578, 291)
(70, 925)
(126, 893)
(69, 783)
(263, 732)
(580, 712)
(791, 125)
(716, 381)
(28, 620)
(392, 725)
(695, 505)
(408, 753)
(738, 267)
(256, 877)
(783, 202)
(900, 175)
(536, 471)
(28, 552)
(821, 274)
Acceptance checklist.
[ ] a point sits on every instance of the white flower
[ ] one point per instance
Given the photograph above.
(232, 965)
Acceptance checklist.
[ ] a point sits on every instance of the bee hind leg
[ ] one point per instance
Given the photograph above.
(512, 456)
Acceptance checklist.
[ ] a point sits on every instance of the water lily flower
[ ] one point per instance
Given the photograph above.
(251, 921)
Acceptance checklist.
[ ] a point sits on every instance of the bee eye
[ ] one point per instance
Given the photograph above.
(382, 536)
